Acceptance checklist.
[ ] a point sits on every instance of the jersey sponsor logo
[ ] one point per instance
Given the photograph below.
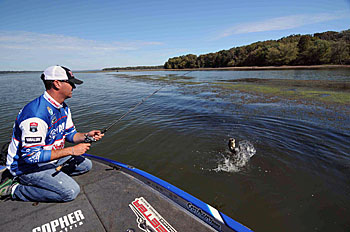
(148, 219)
(53, 119)
(53, 102)
(50, 110)
(65, 223)
(33, 127)
(58, 144)
(32, 139)
(53, 133)
(34, 157)
(57, 130)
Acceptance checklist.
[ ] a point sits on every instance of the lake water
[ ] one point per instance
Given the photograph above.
(298, 179)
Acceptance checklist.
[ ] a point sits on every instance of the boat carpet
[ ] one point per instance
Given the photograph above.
(104, 204)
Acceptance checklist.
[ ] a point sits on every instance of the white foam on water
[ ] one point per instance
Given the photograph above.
(235, 163)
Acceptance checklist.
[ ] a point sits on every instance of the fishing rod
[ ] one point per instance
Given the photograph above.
(90, 139)
(132, 109)
(142, 101)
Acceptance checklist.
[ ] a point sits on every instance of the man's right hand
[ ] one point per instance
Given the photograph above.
(78, 149)
(81, 148)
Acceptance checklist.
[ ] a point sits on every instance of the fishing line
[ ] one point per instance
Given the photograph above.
(187, 73)
(132, 109)
(90, 139)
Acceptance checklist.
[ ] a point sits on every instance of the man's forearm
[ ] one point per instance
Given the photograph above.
(79, 137)
(76, 150)
(57, 154)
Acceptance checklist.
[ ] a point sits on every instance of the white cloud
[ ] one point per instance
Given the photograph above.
(27, 50)
(34, 41)
(279, 23)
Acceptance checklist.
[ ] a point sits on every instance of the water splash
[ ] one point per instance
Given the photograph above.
(236, 162)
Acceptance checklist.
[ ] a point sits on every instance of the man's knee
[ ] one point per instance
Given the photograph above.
(84, 166)
(87, 165)
(78, 166)
(70, 192)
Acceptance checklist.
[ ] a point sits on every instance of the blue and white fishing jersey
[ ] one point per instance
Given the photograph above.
(41, 126)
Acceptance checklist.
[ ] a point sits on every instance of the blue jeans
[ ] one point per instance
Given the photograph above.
(47, 185)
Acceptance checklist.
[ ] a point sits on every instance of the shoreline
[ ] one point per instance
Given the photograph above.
(248, 68)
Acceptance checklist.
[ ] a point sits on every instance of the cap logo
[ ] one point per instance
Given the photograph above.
(70, 72)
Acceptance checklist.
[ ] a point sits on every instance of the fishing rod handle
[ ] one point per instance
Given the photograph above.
(88, 139)
(58, 168)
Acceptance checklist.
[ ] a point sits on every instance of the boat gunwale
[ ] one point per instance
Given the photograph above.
(211, 216)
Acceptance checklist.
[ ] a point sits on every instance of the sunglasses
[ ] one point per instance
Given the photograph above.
(72, 84)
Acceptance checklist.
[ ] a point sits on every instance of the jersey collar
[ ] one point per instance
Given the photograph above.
(52, 101)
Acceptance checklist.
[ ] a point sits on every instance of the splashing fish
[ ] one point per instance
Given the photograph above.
(239, 156)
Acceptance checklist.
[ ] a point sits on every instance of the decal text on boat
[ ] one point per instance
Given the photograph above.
(65, 223)
(148, 219)
(203, 215)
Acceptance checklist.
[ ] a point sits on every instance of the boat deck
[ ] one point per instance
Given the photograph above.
(109, 200)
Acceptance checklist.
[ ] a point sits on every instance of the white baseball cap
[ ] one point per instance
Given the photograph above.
(60, 73)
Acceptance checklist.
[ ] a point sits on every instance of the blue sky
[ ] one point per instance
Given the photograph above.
(94, 34)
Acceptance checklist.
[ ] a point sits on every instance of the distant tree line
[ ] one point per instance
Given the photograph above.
(8, 72)
(321, 48)
(133, 68)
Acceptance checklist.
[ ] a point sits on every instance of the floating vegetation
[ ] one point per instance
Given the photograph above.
(169, 78)
(258, 90)
(322, 91)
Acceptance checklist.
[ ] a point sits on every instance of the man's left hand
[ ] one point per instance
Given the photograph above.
(96, 134)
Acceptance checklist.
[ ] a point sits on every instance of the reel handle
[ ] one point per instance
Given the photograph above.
(89, 139)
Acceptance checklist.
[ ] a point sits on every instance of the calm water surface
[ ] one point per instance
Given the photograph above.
(298, 180)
